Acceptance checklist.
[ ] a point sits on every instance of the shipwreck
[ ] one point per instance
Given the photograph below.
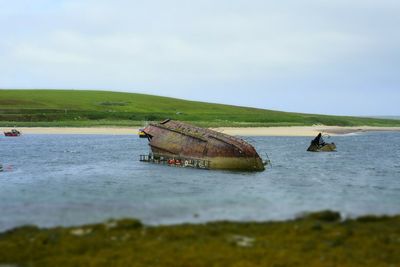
(181, 144)
(318, 145)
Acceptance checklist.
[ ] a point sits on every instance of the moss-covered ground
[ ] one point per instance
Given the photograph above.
(319, 239)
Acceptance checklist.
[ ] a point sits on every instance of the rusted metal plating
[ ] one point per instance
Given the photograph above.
(172, 138)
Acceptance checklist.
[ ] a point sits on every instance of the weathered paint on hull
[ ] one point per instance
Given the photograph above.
(326, 148)
(172, 138)
(239, 164)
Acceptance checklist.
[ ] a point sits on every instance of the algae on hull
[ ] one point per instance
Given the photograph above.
(177, 139)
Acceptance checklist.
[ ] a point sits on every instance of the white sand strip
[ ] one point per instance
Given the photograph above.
(301, 130)
(256, 131)
(76, 130)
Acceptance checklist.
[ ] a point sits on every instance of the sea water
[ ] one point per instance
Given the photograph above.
(51, 180)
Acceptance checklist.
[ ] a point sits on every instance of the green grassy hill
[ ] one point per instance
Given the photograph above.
(89, 108)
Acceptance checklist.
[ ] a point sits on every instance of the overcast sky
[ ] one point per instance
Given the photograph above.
(326, 56)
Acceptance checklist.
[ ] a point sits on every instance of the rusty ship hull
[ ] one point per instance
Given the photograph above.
(177, 139)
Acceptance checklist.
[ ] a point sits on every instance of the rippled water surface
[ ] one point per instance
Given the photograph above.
(74, 179)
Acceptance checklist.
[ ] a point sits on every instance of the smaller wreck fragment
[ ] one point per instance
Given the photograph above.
(188, 145)
(318, 145)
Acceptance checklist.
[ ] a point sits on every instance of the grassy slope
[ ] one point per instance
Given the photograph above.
(320, 239)
(88, 108)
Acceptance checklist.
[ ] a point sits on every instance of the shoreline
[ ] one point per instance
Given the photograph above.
(306, 131)
(246, 131)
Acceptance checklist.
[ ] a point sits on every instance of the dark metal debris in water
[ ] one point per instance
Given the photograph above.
(176, 161)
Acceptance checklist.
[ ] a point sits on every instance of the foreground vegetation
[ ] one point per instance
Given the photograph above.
(319, 239)
(99, 108)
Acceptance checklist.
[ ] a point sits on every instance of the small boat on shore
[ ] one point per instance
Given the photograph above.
(319, 145)
(12, 133)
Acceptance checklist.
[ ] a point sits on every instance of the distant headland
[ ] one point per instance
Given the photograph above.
(77, 108)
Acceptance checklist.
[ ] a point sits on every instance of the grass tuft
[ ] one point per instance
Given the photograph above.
(324, 216)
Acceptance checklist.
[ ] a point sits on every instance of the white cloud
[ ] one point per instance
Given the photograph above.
(39, 55)
(176, 46)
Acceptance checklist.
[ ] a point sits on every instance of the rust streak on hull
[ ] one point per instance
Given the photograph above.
(178, 139)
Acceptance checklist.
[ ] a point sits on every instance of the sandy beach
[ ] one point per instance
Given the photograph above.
(256, 131)
(302, 130)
